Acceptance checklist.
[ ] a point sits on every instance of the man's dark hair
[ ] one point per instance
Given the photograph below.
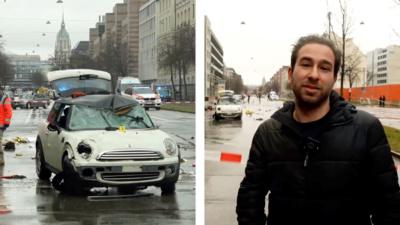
(316, 39)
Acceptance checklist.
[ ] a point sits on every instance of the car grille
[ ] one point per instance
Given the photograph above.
(148, 99)
(137, 155)
(136, 176)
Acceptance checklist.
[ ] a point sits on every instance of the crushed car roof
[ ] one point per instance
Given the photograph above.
(113, 102)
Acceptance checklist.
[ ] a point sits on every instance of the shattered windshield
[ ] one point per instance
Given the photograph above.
(228, 101)
(90, 118)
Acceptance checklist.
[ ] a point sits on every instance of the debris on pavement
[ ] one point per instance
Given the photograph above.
(18, 154)
(13, 177)
(9, 146)
(249, 112)
(21, 140)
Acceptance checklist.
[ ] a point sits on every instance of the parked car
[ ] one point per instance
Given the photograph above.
(145, 96)
(273, 96)
(105, 140)
(29, 101)
(228, 107)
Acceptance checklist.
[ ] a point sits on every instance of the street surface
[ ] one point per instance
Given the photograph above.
(31, 201)
(222, 179)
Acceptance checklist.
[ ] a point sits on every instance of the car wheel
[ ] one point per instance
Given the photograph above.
(42, 172)
(44, 106)
(146, 108)
(168, 188)
(217, 117)
(158, 108)
(67, 181)
(28, 105)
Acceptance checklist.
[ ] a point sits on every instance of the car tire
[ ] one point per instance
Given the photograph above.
(66, 181)
(168, 188)
(42, 172)
(216, 117)
(28, 105)
(158, 108)
(146, 108)
(44, 106)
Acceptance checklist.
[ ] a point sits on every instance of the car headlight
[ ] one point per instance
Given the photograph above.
(84, 150)
(170, 147)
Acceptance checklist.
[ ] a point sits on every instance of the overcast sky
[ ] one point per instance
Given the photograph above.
(23, 22)
(262, 45)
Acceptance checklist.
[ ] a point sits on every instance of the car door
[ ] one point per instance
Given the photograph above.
(55, 138)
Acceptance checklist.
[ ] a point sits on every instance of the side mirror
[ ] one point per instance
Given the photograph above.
(53, 127)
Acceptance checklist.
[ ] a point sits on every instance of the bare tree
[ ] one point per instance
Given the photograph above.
(176, 53)
(38, 78)
(167, 58)
(80, 61)
(346, 24)
(352, 69)
(350, 61)
(6, 70)
(186, 39)
(113, 59)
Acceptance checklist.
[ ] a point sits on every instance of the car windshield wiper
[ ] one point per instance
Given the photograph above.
(111, 128)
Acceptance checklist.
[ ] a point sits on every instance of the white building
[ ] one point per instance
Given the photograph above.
(147, 43)
(384, 66)
(213, 61)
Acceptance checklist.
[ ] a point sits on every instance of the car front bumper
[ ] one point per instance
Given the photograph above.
(230, 115)
(128, 174)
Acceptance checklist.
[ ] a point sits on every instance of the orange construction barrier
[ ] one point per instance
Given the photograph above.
(230, 157)
(390, 91)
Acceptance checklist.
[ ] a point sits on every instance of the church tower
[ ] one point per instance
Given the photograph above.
(63, 47)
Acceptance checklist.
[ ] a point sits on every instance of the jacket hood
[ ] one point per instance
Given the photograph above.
(340, 112)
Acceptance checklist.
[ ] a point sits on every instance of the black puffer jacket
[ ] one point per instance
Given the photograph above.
(350, 178)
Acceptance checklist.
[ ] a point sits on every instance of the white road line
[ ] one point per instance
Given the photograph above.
(158, 118)
(165, 120)
(29, 116)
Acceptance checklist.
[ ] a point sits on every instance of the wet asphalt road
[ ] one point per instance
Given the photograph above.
(222, 179)
(31, 201)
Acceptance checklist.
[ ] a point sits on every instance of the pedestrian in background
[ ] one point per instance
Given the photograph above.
(5, 119)
(380, 101)
(321, 160)
(383, 101)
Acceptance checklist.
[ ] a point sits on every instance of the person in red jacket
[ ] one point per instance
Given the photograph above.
(5, 119)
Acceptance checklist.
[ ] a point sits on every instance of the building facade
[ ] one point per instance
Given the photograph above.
(27, 71)
(383, 66)
(147, 43)
(133, 36)
(279, 82)
(62, 50)
(213, 61)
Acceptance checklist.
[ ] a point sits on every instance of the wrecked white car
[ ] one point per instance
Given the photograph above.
(228, 107)
(105, 140)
